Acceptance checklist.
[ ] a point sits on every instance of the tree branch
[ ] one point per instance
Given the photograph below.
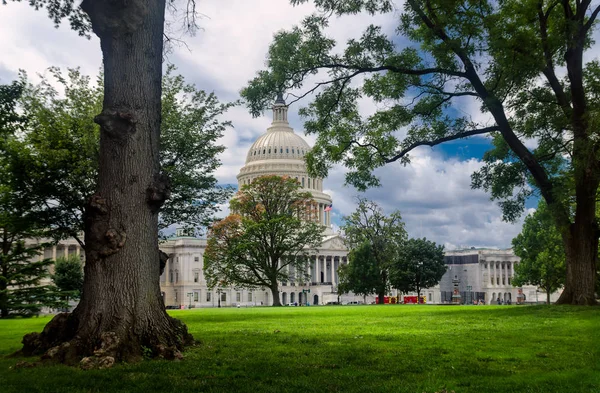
(435, 142)
(548, 70)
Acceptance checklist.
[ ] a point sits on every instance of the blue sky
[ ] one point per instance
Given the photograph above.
(433, 193)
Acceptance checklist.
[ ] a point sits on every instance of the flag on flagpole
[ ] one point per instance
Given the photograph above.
(328, 208)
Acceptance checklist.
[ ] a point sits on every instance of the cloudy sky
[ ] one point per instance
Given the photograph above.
(433, 193)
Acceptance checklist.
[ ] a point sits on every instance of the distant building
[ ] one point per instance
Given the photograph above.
(482, 274)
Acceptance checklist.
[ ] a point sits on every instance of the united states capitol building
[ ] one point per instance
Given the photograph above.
(473, 275)
(279, 151)
(476, 274)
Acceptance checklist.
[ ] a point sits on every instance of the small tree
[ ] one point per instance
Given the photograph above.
(541, 251)
(361, 274)
(419, 264)
(68, 277)
(21, 218)
(384, 234)
(266, 240)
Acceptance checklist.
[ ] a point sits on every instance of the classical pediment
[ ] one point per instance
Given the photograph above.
(334, 242)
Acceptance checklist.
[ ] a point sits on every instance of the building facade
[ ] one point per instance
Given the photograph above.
(485, 275)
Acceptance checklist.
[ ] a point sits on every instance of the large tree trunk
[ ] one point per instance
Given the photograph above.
(582, 255)
(275, 293)
(121, 313)
(580, 239)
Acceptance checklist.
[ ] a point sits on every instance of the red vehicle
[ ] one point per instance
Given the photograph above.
(413, 300)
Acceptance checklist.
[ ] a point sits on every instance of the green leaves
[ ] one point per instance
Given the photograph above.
(540, 247)
(419, 264)
(374, 240)
(63, 141)
(191, 125)
(268, 238)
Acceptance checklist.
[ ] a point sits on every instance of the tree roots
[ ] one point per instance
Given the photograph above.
(60, 342)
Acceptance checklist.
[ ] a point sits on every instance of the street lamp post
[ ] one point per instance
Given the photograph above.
(189, 295)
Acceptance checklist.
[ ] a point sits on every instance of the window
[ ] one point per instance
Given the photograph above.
(254, 152)
(281, 150)
(223, 297)
(287, 150)
(269, 151)
(196, 259)
(309, 182)
(238, 297)
(264, 151)
(208, 296)
(196, 296)
(170, 276)
(196, 276)
(292, 151)
(302, 182)
(249, 296)
(176, 275)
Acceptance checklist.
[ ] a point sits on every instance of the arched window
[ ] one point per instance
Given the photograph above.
(269, 151)
(287, 150)
(171, 276)
(264, 151)
(309, 182)
(302, 182)
(254, 152)
(281, 150)
(292, 151)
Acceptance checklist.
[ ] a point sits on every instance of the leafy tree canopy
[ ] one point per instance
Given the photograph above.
(384, 235)
(361, 275)
(267, 239)
(508, 57)
(420, 264)
(22, 218)
(63, 136)
(68, 277)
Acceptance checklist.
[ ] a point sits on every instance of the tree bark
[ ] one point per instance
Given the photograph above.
(275, 293)
(581, 247)
(121, 315)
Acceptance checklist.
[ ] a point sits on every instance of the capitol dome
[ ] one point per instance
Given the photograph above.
(280, 151)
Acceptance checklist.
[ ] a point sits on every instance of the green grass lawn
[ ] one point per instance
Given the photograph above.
(348, 349)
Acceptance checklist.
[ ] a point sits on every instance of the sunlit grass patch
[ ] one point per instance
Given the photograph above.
(349, 349)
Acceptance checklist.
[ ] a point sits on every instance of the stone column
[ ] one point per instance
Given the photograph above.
(66, 251)
(54, 253)
(489, 273)
(334, 271)
(77, 250)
